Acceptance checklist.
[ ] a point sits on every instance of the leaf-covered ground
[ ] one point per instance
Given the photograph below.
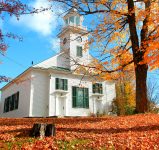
(107, 133)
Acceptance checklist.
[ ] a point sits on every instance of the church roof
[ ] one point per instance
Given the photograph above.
(71, 11)
(33, 68)
(60, 68)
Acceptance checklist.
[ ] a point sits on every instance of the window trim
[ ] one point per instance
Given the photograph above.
(10, 103)
(81, 53)
(96, 88)
(64, 84)
(75, 98)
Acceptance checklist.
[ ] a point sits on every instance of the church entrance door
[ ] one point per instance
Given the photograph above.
(62, 106)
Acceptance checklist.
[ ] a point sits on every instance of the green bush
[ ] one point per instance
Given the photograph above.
(129, 110)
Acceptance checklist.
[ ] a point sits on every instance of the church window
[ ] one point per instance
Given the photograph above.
(97, 88)
(11, 102)
(79, 39)
(61, 84)
(80, 97)
(77, 20)
(72, 19)
(79, 51)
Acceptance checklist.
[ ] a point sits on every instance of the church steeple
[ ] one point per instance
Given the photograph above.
(72, 26)
(73, 38)
(73, 18)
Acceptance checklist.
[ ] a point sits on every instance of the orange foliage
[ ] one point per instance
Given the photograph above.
(111, 36)
(131, 132)
(126, 30)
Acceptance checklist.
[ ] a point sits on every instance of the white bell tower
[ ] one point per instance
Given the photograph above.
(73, 38)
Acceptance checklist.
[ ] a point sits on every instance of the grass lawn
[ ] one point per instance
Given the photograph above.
(137, 132)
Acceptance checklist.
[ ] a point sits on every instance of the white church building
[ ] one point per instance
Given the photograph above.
(53, 88)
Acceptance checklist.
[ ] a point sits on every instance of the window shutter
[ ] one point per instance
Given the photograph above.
(16, 100)
(11, 103)
(74, 96)
(86, 97)
(65, 84)
(5, 102)
(57, 83)
(100, 89)
(81, 51)
(93, 88)
(10, 98)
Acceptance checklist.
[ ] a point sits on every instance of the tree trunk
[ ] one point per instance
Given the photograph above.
(138, 54)
(141, 88)
(50, 130)
(42, 129)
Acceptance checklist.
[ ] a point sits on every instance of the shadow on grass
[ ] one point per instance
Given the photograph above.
(30, 121)
(111, 130)
(19, 132)
(25, 132)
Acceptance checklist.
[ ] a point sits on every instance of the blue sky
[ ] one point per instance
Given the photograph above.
(40, 41)
(39, 33)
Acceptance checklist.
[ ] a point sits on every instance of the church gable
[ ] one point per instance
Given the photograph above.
(48, 62)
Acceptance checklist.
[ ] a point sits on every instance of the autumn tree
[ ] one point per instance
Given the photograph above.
(125, 94)
(124, 103)
(121, 26)
(13, 8)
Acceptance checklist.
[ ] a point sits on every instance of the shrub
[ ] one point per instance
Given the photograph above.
(129, 110)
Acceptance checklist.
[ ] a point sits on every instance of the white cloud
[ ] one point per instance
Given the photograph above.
(55, 44)
(44, 23)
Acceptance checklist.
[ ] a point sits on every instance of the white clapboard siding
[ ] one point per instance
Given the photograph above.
(23, 85)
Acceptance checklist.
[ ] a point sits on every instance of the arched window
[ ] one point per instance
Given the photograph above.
(71, 20)
(77, 20)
